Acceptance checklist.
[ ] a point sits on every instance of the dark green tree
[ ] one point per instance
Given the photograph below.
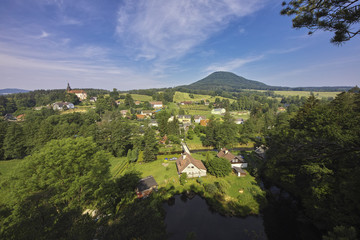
(14, 142)
(151, 145)
(129, 101)
(340, 17)
(219, 167)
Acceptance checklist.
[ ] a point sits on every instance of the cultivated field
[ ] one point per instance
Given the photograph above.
(304, 93)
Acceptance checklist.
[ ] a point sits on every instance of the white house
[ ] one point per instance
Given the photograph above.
(236, 161)
(198, 118)
(156, 104)
(61, 105)
(192, 167)
(218, 111)
(239, 121)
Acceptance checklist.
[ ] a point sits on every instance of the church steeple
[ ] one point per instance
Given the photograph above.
(68, 88)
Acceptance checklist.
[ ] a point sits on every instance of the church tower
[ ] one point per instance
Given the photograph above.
(68, 89)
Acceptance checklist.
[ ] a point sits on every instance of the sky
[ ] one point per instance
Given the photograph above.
(139, 44)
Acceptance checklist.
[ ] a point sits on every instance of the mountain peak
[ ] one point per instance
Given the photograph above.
(222, 80)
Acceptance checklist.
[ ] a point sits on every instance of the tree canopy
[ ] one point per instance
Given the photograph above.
(340, 17)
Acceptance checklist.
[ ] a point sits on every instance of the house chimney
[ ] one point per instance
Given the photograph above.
(184, 156)
(226, 151)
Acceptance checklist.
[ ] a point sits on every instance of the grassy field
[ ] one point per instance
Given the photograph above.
(117, 165)
(181, 96)
(305, 93)
(139, 97)
(163, 172)
(7, 170)
(196, 143)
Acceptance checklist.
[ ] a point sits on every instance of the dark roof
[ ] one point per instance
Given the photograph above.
(146, 183)
(240, 170)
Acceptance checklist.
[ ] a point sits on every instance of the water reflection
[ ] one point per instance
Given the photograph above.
(193, 219)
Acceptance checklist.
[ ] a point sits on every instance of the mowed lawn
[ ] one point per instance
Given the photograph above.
(7, 170)
(162, 171)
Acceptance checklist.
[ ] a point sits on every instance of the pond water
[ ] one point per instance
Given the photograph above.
(193, 217)
(281, 219)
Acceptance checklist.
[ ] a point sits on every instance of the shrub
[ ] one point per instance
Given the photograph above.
(210, 188)
(222, 185)
(199, 180)
(183, 178)
(218, 167)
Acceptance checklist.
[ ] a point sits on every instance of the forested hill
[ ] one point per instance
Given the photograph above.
(12, 90)
(228, 81)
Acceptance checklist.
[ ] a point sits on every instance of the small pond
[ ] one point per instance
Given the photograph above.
(193, 217)
(281, 219)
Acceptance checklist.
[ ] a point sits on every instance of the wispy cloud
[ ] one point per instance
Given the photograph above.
(232, 64)
(43, 35)
(164, 30)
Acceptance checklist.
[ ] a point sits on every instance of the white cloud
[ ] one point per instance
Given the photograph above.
(232, 64)
(170, 29)
(44, 35)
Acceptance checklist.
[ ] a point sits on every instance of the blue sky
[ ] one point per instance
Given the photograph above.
(44, 44)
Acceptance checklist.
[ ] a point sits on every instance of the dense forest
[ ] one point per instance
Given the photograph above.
(315, 156)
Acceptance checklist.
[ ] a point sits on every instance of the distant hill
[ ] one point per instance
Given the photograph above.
(12, 90)
(228, 81)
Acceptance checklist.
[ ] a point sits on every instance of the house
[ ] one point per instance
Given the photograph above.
(146, 186)
(171, 119)
(148, 113)
(156, 104)
(153, 123)
(137, 103)
(186, 103)
(118, 102)
(239, 121)
(218, 111)
(185, 125)
(124, 113)
(198, 118)
(9, 117)
(184, 118)
(281, 109)
(163, 140)
(93, 99)
(81, 94)
(140, 116)
(61, 105)
(20, 118)
(204, 122)
(239, 172)
(192, 167)
(236, 161)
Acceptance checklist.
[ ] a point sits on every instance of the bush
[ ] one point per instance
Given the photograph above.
(210, 188)
(222, 185)
(199, 180)
(183, 178)
(218, 167)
